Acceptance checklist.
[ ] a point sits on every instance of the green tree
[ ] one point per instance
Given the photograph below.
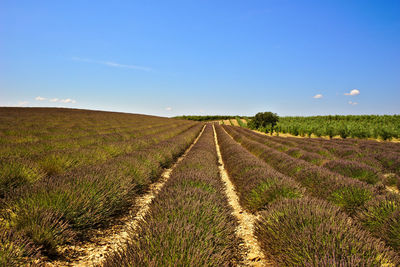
(264, 120)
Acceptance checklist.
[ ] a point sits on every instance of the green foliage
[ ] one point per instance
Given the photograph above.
(375, 216)
(270, 191)
(264, 121)
(241, 123)
(205, 117)
(15, 250)
(44, 227)
(305, 232)
(350, 198)
(14, 174)
(384, 127)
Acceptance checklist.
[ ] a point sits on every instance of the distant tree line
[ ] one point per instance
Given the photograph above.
(206, 117)
(385, 127)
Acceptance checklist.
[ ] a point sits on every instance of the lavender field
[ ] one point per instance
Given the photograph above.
(92, 188)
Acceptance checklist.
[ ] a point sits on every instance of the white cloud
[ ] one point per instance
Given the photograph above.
(112, 64)
(353, 92)
(168, 108)
(352, 103)
(67, 100)
(317, 96)
(22, 103)
(56, 100)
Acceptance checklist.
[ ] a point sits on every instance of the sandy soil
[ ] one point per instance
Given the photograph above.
(227, 122)
(394, 140)
(254, 255)
(235, 122)
(106, 241)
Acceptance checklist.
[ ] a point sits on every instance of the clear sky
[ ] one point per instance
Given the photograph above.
(202, 57)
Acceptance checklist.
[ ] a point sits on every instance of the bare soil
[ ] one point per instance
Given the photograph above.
(253, 256)
(235, 122)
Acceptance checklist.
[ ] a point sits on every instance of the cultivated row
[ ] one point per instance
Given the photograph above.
(190, 221)
(62, 209)
(15, 172)
(362, 169)
(295, 228)
(375, 208)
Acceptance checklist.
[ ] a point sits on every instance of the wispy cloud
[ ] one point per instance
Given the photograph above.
(68, 100)
(317, 96)
(352, 103)
(353, 92)
(112, 64)
(55, 100)
(168, 108)
(22, 103)
(39, 98)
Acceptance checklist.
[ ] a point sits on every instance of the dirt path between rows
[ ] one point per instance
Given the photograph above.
(93, 253)
(254, 255)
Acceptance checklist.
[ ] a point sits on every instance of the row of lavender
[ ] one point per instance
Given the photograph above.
(62, 209)
(189, 222)
(294, 227)
(369, 170)
(16, 171)
(383, 156)
(36, 149)
(32, 125)
(372, 206)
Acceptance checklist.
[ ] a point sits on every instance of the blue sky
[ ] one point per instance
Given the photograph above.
(202, 57)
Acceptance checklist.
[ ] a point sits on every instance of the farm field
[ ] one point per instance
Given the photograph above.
(374, 127)
(384, 127)
(200, 133)
(83, 188)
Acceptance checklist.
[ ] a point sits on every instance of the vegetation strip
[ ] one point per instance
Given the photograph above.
(254, 255)
(19, 171)
(360, 126)
(190, 222)
(293, 228)
(351, 168)
(95, 254)
(357, 158)
(64, 210)
(375, 208)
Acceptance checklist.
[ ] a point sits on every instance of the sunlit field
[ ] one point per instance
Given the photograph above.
(70, 178)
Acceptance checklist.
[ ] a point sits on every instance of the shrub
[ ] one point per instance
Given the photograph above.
(264, 120)
(355, 170)
(44, 227)
(16, 173)
(306, 232)
(350, 198)
(15, 250)
(268, 192)
(375, 215)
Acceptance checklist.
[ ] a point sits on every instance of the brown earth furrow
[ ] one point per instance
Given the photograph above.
(253, 256)
(93, 253)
